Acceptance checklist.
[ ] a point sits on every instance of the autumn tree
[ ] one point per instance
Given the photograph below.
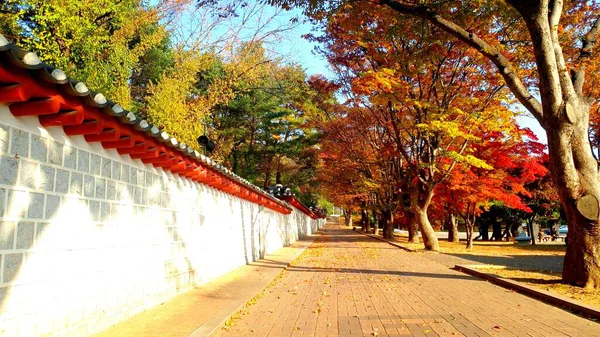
(541, 49)
(425, 96)
(514, 164)
(357, 163)
(100, 42)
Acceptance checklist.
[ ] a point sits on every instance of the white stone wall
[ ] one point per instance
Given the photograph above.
(89, 237)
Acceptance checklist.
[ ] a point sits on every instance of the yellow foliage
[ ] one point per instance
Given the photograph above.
(170, 103)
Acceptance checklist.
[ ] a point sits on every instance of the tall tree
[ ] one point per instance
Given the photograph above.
(99, 42)
(537, 46)
(428, 97)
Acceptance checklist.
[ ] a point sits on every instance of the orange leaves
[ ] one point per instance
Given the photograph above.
(381, 81)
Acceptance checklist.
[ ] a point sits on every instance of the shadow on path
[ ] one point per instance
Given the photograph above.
(380, 272)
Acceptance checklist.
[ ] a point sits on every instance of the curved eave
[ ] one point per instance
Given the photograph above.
(32, 88)
(292, 200)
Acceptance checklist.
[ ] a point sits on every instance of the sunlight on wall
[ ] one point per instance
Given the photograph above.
(102, 255)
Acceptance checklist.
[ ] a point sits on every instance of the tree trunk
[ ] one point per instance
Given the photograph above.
(348, 218)
(497, 231)
(530, 229)
(452, 228)
(267, 177)
(564, 114)
(413, 227)
(483, 231)
(388, 224)
(507, 232)
(430, 240)
(575, 173)
(420, 199)
(364, 220)
(470, 227)
(278, 171)
(375, 222)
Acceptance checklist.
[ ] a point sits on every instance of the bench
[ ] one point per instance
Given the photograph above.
(523, 240)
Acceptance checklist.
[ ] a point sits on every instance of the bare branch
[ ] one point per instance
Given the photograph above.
(563, 73)
(500, 61)
(588, 42)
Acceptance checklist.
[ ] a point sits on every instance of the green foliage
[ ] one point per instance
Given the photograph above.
(262, 133)
(100, 42)
(253, 106)
(170, 103)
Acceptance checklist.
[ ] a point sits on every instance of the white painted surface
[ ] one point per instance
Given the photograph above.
(128, 238)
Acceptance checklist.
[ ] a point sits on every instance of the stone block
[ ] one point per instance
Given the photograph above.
(121, 193)
(8, 170)
(104, 211)
(2, 201)
(36, 206)
(52, 206)
(4, 294)
(111, 190)
(12, 265)
(94, 207)
(25, 232)
(62, 181)
(30, 174)
(55, 153)
(133, 175)
(19, 143)
(39, 148)
(141, 177)
(116, 170)
(18, 202)
(95, 164)
(100, 188)
(106, 167)
(115, 210)
(88, 187)
(164, 200)
(7, 234)
(70, 157)
(131, 191)
(148, 179)
(76, 184)
(47, 178)
(39, 231)
(4, 136)
(145, 196)
(83, 161)
(137, 198)
(125, 173)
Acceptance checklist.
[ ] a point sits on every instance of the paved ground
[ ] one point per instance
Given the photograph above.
(203, 310)
(347, 284)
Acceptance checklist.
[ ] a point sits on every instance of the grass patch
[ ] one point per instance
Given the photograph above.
(491, 248)
(550, 282)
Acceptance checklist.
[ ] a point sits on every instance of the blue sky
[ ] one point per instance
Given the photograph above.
(299, 50)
